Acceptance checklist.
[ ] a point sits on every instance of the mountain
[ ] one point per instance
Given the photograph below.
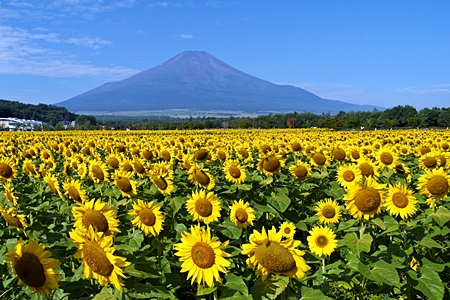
(197, 81)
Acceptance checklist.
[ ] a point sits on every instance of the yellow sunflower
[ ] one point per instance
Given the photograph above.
(73, 189)
(203, 207)
(13, 218)
(162, 176)
(300, 170)
(97, 214)
(97, 254)
(139, 167)
(202, 256)
(364, 200)
(400, 201)
(53, 184)
(328, 211)
(147, 217)
(320, 159)
(367, 168)
(34, 266)
(98, 171)
(234, 172)
(347, 175)
(434, 183)
(9, 193)
(8, 169)
(113, 161)
(82, 170)
(287, 230)
(339, 154)
(269, 254)
(270, 163)
(29, 168)
(241, 214)
(386, 157)
(322, 241)
(201, 177)
(125, 183)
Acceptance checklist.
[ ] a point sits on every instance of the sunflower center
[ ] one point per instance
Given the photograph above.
(367, 200)
(98, 172)
(160, 182)
(328, 212)
(147, 154)
(400, 200)
(127, 167)
(222, 156)
(296, 146)
(271, 164)
(74, 194)
(201, 154)
(201, 177)
(147, 217)
(265, 148)
(138, 167)
(355, 154)
(321, 241)
(124, 184)
(339, 154)
(348, 176)
(96, 219)
(203, 255)
(234, 172)
(96, 259)
(113, 162)
(30, 270)
(442, 160)
(430, 162)
(243, 152)
(437, 185)
(300, 171)
(319, 158)
(386, 158)
(13, 221)
(425, 149)
(165, 155)
(287, 230)
(366, 169)
(203, 207)
(274, 257)
(241, 215)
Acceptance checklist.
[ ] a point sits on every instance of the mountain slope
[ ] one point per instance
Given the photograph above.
(198, 81)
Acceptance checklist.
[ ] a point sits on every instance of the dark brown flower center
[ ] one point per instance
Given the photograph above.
(366, 169)
(147, 154)
(165, 155)
(321, 241)
(349, 176)
(74, 194)
(355, 154)
(147, 217)
(201, 177)
(400, 200)
(300, 171)
(274, 257)
(124, 184)
(243, 152)
(296, 146)
(265, 148)
(234, 172)
(96, 219)
(138, 167)
(430, 162)
(241, 215)
(127, 167)
(367, 200)
(437, 185)
(319, 158)
(339, 154)
(386, 158)
(425, 149)
(271, 164)
(160, 182)
(30, 270)
(113, 162)
(328, 212)
(203, 255)
(95, 257)
(221, 154)
(203, 207)
(98, 172)
(5, 170)
(201, 154)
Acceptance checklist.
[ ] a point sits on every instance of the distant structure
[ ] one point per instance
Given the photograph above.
(13, 124)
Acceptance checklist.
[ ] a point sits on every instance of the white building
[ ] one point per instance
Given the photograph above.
(12, 124)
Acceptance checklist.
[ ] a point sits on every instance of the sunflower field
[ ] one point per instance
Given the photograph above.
(225, 214)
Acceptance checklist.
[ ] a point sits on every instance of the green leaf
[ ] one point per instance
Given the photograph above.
(146, 291)
(230, 230)
(357, 245)
(245, 187)
(430, 284)
(204, 290)
(430, 243)
(313, 294)
(176, 203)
(382, 272)
(441, 216)
(266, 181)
(270, 288)
(234, 284)
(379, 223)
(346, 225)
(279, 201)
(136, 240)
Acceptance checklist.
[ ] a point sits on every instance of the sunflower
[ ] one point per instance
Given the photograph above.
(434, 183)
(97, 214)
(300, 170)
(139, 167)
(202, 256)
(320, 159)
(386, 157)
(322, 241)
(347, 175)
(339, 154)
(34, 266)
(203, 207)
(400, 201)
(241, 214)
(53, 184)
(222, 154)
(162, 176)
(73, 189)
(125, 183)
(113, 161)
(29, 168)
(13, 218)
(270, 163)
(269, 254)
(364, 200)
(402, 170)
(328, 211)
(287, 230)
(82, 170)
(98, 260)
(200, 176)
(234, 172)
(429, 161)
(98, 171)
(9, 193)
(367, 168)
(147, 217)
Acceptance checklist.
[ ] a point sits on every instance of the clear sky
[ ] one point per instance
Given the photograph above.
(384, 53)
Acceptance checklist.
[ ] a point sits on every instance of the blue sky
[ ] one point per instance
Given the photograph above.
(384, 53)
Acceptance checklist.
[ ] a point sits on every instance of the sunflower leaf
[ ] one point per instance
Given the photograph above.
(279, 201)
(382, 272)
(234, 284)
(430, 243)
(357, 245)
(313, 294)
(430, 284)
(441, 216)
(269, 288)
(230, 230)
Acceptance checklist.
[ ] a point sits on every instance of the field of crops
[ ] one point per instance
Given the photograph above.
(227, 214)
